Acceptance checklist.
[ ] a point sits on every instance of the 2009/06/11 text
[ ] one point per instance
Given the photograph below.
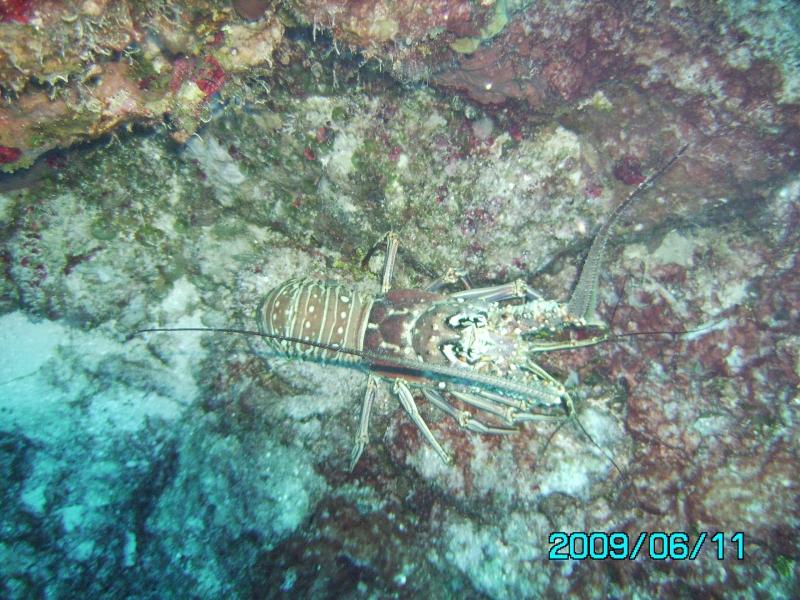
(656, 545)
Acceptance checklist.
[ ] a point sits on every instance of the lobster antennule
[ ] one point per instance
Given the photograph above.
(583, 302)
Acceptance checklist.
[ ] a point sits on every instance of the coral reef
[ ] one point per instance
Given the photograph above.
(203, 464)
(74, 71)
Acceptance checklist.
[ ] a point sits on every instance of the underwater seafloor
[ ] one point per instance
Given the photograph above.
(494, 137)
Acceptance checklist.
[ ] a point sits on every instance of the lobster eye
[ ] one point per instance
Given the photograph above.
(474, 318)
(456, 353)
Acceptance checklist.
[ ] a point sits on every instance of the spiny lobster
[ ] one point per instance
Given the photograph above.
(475, 345)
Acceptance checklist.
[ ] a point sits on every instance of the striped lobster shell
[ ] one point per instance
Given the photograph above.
(326, 313)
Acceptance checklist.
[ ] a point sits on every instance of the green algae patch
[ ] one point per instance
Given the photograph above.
(103, 230)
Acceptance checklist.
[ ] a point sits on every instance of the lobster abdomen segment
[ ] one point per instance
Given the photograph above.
(326, 313)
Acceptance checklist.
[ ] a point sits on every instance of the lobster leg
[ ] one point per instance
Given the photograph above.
(392, 243)
(464, 418)
(487, 403)
(451, 276)
(517, 289)
(362, 437)
(509, 414)
(407, 400)
(389, 259)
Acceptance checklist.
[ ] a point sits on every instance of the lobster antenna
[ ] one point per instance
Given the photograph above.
(373, 358)
(583, 301)
(607, 456)
(574, 417)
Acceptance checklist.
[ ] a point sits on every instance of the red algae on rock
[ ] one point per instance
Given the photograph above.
(628, 170)
(9, 155)
(15, 11)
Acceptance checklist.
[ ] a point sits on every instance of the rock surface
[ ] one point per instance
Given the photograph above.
(186, 461)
